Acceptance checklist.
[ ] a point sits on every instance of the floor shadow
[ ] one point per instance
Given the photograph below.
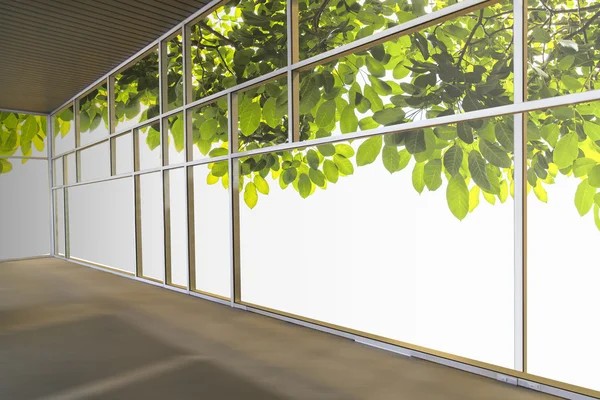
(51, 359)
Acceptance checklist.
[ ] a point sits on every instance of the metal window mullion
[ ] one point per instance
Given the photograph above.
(187, 63)
(112, 118)
(166, 185)
(162, 76)
(520, 186)
(234, 220)
(50, 185)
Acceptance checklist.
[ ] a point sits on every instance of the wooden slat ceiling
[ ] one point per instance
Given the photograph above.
(52, 49)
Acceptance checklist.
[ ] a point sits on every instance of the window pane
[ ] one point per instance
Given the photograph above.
(174, 73)
(95, 162)
(93, 115)
(24, 209)
(64, 131)
(58, 172)
(563, 232)
(239, 41)
(211, 229)
(377, 232)
(122, 154)
(563, 50)
(59, 220)
(101, 223)
(22, 135)
(71, 169)
(150, 234)
(147, 147)
(263, 115)
(460, 65)
(176, 212)
(325, 25)
(209, 130)
(136, 92)
(175, 140)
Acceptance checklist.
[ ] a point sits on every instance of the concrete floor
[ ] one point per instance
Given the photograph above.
(70, 332)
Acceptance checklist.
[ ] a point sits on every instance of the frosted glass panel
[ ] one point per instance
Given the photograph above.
(211, 230)
(174, 139)
(24, 209)
(563, 235)
(150, 226)
(59, 221)
(177, 217)
(95, 162)
(63, 131)
(58, 172)
(123, 153)
(148, 147)
(71, 172)
(395, 255)
(101, 223)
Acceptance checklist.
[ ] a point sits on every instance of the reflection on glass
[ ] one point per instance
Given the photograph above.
(209, 130)
(174, 153)
(21, 135)
(176, 223)
(239, 41)
(122, 153)
(210, 228)
(150, 234)
(563, 50)
(460, 65)
(58, 172)
(93, 115)
(59, 220)
(563, 232)
(64, 131)
(325, 25)
(263, 115)
(71, 172)
(444, 194)
(174, 48)
(136, 92)
(147, 147)
(94, 162)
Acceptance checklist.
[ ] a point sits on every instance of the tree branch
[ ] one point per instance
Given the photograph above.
(218, 34)
(585, 26)
(468, 41)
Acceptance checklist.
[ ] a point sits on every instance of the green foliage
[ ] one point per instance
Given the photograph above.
(93, 110)
(22, 132)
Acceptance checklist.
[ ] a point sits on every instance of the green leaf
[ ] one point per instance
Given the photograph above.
(390, 158)
(582, 166)
(465, 132)
(566, 62)
(494, 154)
(457, 196)
(569, 44)
(418, 177)
(592, 130)
(250, 195)
(261, 185)
(317, 177)
(540, 192)
(177, 134)
(327, 150)
(432, 174)
(505, 135)
(541, 35)
(597, 216)
(312, 158)
(566, 150)
(325, 114)
(208, 129)
(477, 167)
(5, 166)
(415, 141)
(584, 197)
(400, 71)
(330, 171)
(344, 149)
(374, 67)
(405, 157)
(289, 175)
(343, 165)
(309, 96)
(29, 129)
(474, 198)
(304, 186)
(369, 150)
(571, 83)
(249, 117)
(594, 176)
(269, 112)
(453, 160)
(348, 120)
(389, 116)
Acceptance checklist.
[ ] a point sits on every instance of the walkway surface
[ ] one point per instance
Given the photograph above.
(71, 332)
